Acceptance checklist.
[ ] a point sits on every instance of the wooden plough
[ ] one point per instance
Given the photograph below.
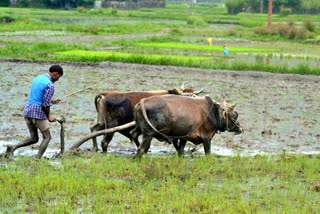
(102, 132)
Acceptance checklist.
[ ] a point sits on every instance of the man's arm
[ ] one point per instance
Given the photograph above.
(47, 97)
(55, 101)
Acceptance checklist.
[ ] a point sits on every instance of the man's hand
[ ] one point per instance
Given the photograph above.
(52, 119)
(55, 101)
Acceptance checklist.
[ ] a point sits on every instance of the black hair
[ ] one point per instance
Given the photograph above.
(56, 68)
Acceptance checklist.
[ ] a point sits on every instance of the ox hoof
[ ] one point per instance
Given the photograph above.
(137, 156)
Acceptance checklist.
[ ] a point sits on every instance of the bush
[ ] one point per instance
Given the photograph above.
(234, 6)
(288, 31)
(196, 21)
(231, 32)
(82, 9)
(114, 11)
(176, 31)
(285, 11)
(261, 31)
(93, 29)
(309, 25)
(249, 22)
(96, 11)
(7, 19)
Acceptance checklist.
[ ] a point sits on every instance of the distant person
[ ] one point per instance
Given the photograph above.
(209, 41)
(37, 110)
(225, 50)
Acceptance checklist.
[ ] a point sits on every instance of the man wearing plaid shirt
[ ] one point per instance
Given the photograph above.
(37, 110)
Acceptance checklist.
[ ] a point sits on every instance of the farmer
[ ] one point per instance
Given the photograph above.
(37, 110)
(209, 41)
(225, 50)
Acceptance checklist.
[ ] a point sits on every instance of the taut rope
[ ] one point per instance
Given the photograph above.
(86, 88)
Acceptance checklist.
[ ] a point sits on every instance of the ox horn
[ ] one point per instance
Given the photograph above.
(224, 115)
(226, 106)
(182, 86)
(198, 92)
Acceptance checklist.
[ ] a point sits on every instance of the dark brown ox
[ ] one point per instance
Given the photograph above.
(168, 118)
(116, 108)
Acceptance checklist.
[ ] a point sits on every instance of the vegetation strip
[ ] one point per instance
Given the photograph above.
(206, 47)
(153, 59)
(162, 184)
(183, 61)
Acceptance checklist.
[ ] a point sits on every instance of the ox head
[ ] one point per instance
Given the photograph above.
(230, 116)
(190, 91)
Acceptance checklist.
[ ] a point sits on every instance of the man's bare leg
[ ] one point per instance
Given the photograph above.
(32, 140)
(45, 142)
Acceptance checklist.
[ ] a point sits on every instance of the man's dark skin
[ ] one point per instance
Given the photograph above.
(34, 137)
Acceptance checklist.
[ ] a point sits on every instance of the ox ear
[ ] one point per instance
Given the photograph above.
(228, 106)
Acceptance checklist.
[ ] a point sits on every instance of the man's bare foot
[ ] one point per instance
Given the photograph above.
(9, 152)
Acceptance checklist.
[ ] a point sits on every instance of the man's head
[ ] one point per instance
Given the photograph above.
(56, 71)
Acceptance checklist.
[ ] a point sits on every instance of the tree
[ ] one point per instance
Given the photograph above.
(4, 3)
(269, 15)
(254, 6)
(311, 6)
(235, 6)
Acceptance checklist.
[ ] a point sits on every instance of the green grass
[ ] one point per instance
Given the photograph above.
(153, 59)
(160, 184)
(206, 47)
(118, 184)
(208, 62)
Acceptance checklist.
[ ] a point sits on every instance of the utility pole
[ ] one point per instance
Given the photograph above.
(269, 15)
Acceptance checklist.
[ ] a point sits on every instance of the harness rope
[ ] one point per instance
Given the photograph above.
(86, 88)
(227, 118)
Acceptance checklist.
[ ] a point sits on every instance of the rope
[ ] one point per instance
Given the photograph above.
(76, 92)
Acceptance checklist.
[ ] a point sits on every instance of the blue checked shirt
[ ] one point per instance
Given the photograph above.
(34, 110)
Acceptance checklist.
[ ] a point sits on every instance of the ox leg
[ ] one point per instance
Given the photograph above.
(94, 128)
(207, 146)
(135, 133)
(175, 143)
(105, 142)
(182, 144)
(144, 146)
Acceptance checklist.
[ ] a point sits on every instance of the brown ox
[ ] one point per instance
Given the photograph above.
(185, 118)
(116, 108)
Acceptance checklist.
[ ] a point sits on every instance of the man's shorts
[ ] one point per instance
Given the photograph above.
(40, 124)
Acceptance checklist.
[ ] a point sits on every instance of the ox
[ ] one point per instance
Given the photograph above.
(194, 119)
(116, 108)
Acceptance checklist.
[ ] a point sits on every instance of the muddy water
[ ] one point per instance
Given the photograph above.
(280, 113)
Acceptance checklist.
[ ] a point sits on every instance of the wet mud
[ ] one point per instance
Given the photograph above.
(279, 112)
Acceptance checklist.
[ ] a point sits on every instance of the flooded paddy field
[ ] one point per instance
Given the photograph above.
(279, 112)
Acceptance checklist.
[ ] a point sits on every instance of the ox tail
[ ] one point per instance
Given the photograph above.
(100, 107)
(97, 100)
(144, 113)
